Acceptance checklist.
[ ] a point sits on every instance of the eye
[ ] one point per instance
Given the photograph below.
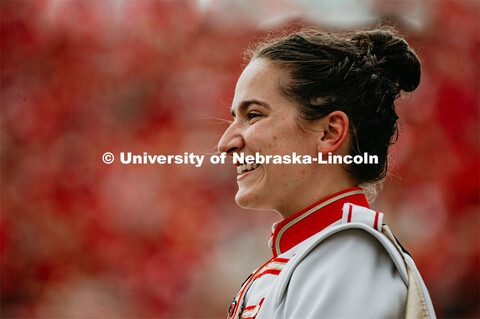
(253, 115)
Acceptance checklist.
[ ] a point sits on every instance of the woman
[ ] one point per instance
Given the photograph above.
(309, 93)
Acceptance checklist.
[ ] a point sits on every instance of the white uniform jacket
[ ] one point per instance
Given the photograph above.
(334, 259)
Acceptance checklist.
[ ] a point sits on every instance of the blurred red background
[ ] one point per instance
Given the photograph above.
(80, 238)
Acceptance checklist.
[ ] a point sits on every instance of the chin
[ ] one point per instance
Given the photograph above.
(249, 200)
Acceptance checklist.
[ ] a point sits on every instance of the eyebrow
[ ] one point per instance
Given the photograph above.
(245, 104)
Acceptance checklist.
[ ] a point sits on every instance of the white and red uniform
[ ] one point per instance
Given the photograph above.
(334, 259)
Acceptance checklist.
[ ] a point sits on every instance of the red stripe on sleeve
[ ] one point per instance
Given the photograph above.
(281, 260)
(249, 308)
(268, 272)
(375, 224)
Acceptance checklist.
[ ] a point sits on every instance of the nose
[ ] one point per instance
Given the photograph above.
(232, 140)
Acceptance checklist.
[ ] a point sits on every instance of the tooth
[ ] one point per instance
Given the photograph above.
(255, 165)
(239, 170)
(249, 166)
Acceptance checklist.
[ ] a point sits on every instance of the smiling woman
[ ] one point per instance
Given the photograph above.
(309, 93)
(270, 126)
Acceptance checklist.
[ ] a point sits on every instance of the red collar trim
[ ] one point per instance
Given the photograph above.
(304, 224)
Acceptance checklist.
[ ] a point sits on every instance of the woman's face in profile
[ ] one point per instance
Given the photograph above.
(265, 122)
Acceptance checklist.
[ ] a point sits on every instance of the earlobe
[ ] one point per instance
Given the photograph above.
(334, 132)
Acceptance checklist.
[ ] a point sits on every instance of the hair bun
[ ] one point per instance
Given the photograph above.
(396, 60)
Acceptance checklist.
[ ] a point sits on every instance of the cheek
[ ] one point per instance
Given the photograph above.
(284, 175)
(260, 139)
(276, 137)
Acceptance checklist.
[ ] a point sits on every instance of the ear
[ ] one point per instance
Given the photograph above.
(334, 128)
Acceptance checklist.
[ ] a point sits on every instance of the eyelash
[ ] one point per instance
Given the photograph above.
(253, 115)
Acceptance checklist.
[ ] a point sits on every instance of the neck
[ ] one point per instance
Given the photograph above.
(325, 186)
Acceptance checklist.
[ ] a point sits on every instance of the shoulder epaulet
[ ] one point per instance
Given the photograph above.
(359, 214)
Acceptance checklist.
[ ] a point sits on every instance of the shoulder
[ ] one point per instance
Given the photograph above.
(351, 250)
(349, 273)
(350, 245)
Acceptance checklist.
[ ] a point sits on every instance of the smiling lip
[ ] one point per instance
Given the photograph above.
(245, 170)
(242, 176)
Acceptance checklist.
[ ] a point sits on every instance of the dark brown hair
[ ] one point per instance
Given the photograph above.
(360, 74)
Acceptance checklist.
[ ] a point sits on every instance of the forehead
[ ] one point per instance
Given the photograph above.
(260, 80)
